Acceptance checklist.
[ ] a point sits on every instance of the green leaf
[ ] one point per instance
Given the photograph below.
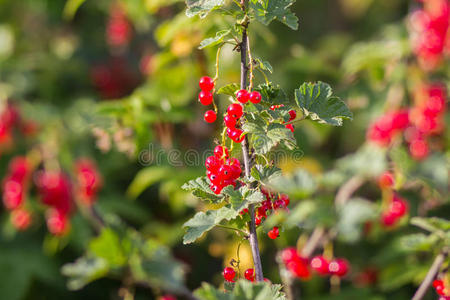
(298, 185)
(368, 161)
(200, 188)
(71, 8)
(156, 266)
(264, 65)
(243, 290)
(209, 292)
(265, 11)
(418, 242)
(264, 137)
(352, 216)
(265, 173)
(84, 270)
(317, 102)
(202, 7)
(146, 178)
(272, 94)
(212, 41)
(432, 224)
(205, 221)
(229, 89)
(242, 197)
(109, 247)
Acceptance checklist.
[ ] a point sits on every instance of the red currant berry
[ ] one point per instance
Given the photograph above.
(221, 152)
(210, 116)
(440, 290)
(242, 96)
(285, 199)
(398, 207)
(212, 163)
(319, 264)
(206, 83)
(230, 122)
(262, 212)
(338, 267)
(21, 219)
(388, 219)
(244, 211)
(299, 268)
(274, 233)
(437, 283)
(386, 180)
(215, 188)
(213, 177)
(205, 97)
(292, 114)
(235, 110)
(229, 274)
(258, 220)
(289, 254)
(290, 127)
(249, 274)
(225, 172)
(57, 223)
(418, 149)
(236, 135)
(255, 97)
(278, 204)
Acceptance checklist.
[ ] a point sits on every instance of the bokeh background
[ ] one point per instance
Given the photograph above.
(117, 81)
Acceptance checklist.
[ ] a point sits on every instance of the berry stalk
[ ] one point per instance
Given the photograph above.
(253, 238)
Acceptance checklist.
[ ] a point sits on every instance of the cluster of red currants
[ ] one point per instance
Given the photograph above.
(118, 28)
(397, 206)
(222, 170)
(292, 116)
(10, 119)
(273, 202)
(54, 188)
(234, 110)
(205, 97)
(300, 266)
(426, 118)
(440, 288)
(429, 36)
(229, 274)
(55, 191)
(14, 188)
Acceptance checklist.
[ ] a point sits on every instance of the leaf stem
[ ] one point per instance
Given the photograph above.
(232, 228)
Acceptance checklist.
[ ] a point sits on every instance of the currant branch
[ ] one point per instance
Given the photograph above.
(253, 238)
(432, 272)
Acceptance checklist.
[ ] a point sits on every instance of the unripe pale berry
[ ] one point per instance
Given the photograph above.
(274, 233)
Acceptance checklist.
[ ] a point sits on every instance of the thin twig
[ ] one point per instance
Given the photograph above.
(313, 241)
(347, 189)
(432, 272)
(319, 234)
